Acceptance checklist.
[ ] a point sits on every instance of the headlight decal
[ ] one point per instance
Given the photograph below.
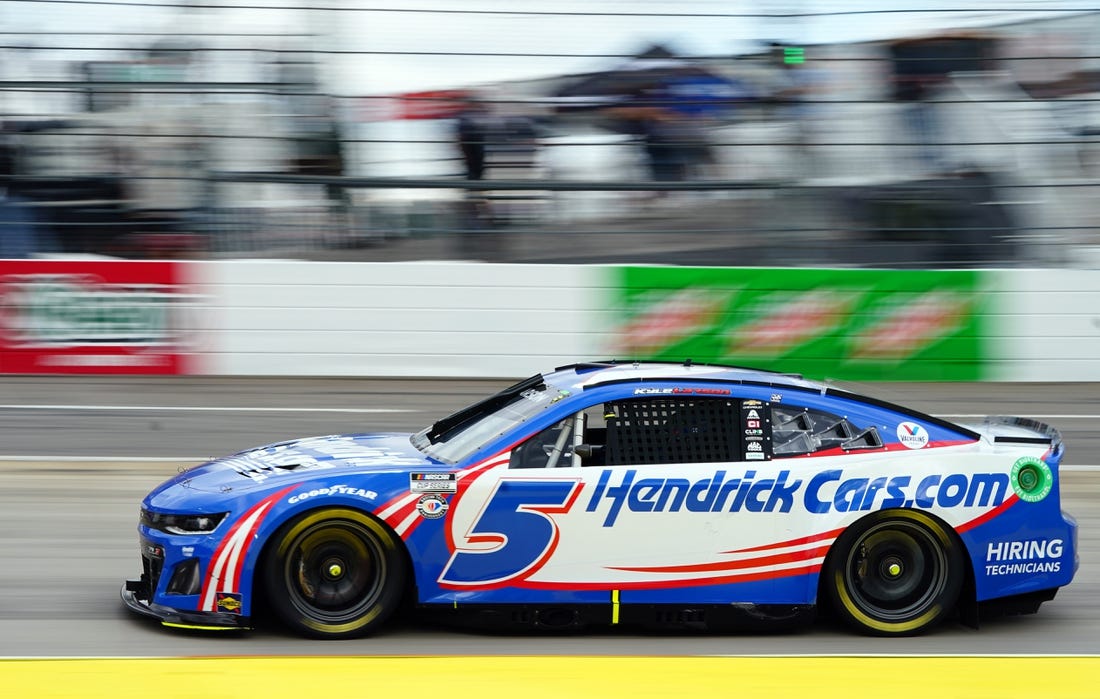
(224, 571)
(183, 524)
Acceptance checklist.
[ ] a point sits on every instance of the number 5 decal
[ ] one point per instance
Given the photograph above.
(517, 519)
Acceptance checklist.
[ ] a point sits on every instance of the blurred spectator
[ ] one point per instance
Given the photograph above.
(472, 137)
(666, 150)
(674, 144)
(513, 145)
(320, 152)
(506, 144)
(19, 230)
(20, 234)
(793, 93)
(921, 67)
(789, 82)
(160, 189)
(472, 134)
(501, 142)
(919, 113)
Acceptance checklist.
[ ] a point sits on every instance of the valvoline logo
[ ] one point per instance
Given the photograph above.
(912, 435)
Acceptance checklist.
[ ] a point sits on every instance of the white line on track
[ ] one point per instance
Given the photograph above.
(204, 409)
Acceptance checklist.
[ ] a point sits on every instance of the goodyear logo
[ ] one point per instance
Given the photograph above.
(824, 492)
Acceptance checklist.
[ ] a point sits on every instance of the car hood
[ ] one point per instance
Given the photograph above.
(285, 463)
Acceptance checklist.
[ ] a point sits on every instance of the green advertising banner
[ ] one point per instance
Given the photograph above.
(858, 324)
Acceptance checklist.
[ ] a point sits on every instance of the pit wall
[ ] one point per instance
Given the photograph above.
(437, 319)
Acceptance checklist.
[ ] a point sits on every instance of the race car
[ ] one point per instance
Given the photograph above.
(621, 493)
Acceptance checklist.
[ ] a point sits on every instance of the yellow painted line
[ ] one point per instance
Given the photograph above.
(553, 677)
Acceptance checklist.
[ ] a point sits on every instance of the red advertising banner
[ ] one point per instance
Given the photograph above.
(433, 104)
(94, 317)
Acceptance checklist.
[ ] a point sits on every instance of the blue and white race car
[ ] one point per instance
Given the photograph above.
(686, 496)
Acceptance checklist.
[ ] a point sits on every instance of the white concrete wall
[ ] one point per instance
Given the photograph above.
(399, 319)
(1046, 325)
(439, 319)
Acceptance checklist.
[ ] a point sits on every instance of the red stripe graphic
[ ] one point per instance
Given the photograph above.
(995, 512)
(215, 572)
(757, 562)
(791, 543)
(687, 582)
(892, 446)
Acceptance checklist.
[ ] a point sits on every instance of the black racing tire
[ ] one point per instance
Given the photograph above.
(894, 573)
(334, 573)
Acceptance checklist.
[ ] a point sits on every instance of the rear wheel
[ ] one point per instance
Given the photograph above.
(895, 573)
(334, 573)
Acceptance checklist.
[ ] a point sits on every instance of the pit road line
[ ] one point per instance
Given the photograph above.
(1066, 677)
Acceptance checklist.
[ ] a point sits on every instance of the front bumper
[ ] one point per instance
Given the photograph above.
(136, 595)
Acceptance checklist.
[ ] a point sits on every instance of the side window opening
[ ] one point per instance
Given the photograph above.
(550, 448)
(833, 434)
(800, 422)
(867, 439)
(799, 431)
(789, 443)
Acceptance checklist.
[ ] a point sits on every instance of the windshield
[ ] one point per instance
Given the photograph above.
(457, 436)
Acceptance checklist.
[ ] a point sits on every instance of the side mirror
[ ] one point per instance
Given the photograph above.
(586, 451)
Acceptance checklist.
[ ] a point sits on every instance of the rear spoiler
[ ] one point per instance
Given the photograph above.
(1041, 433)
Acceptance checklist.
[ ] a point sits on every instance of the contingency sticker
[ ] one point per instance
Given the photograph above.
(432, 506)
(756, 430)
(228, 602)
(1031, 478)
(912, 435)
(433, 482)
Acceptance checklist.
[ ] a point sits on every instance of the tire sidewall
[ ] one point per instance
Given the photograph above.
(389, 597)
(845, 605)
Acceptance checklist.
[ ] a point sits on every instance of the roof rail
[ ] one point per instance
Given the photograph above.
(582, 367)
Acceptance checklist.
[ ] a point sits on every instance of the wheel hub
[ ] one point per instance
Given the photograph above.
(892, 568)
(333, 569)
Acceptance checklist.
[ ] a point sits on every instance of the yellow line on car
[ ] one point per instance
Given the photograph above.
(199, 627)
(557, 676)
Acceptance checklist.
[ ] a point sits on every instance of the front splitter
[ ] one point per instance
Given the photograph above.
(176, 618)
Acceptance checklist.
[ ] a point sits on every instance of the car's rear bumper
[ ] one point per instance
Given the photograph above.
(135, 595)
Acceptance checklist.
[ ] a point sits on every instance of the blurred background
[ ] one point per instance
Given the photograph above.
(848, 133)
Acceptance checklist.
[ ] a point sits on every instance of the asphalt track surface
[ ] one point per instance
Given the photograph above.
(67, 516)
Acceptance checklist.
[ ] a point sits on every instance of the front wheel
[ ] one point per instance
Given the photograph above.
(335, 573)
(894, 574)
